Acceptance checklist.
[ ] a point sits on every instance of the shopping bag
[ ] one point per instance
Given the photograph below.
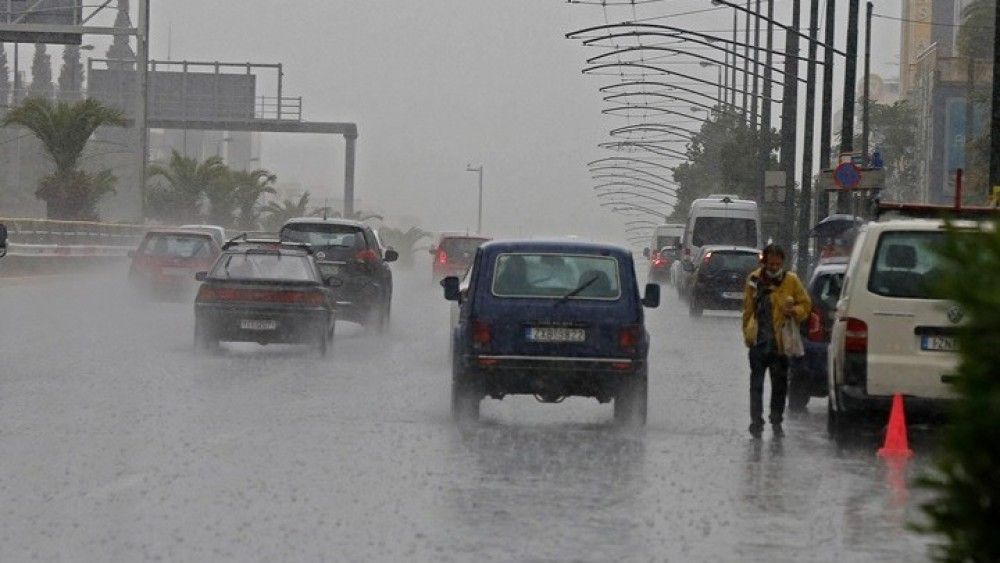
(792, 340)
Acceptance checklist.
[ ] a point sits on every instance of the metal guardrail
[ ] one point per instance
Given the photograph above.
(22, 231)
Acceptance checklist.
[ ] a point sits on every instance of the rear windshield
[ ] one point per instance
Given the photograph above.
(667, 241)
(826, 289)
(177, 246)
(315, 234)
(460, 247)
(724, 230)
(906, 264)
(264, 266)
(721, 261)
(556, 275)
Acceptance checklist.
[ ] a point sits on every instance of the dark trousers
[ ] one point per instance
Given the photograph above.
(762, 360)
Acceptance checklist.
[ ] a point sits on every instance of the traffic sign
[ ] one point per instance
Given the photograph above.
(847, 176)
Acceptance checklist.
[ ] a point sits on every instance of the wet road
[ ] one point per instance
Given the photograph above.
(116, 443)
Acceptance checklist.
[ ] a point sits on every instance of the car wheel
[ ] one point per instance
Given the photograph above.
(695, 308)
(630, 404)
(465, 398)
(839, 423)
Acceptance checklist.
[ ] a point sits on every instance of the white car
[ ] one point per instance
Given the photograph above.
(891, 335)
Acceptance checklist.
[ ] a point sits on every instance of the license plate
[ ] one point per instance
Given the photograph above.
(258, 324)
(180, 272)
(556, 334)
(732, 295)
(938, 343)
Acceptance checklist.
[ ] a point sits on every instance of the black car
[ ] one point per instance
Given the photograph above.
(719, 277)
(808, 375)
(265, 293)
(350, 251)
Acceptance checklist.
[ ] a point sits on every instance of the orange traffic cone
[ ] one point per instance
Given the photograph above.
(896, 444)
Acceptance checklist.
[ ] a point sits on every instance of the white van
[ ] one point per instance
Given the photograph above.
(719, 219)
(891, 336)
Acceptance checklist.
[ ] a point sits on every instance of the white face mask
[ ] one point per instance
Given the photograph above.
(772, 273)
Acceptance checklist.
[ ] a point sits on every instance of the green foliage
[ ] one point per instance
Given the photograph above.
(722, 158)
(64, 129)
(404, 242)
(893, 130)
(71, 74)
(41, 74)
(180, 187)
(248, 188)
(976, 34)
(966, 507)
(279, 212)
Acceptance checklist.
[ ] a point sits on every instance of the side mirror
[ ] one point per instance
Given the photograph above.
(201, 276)
(334, 281)
(645, 252)
(450, 285)
(652, 297)
(390, 255)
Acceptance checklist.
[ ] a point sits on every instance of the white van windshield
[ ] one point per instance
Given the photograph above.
(724, 230)
(906, 265)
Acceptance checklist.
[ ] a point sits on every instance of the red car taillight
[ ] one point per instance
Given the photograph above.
(284, 297)
(856, 336)
(817, 330)
(481, 332)
(629, 337)
(368, 256)
(442, 257)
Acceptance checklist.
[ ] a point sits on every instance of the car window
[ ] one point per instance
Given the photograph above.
(724, 230)
(555, 275)
(318, 234)
(177, 246)
(264, 266)
(667, 241)
(906, 264)
(826, 289)
(732, 262)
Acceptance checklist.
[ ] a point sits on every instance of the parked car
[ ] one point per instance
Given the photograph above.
(453, 254)
(350, 251)
(718, 219)
(892, 335)
(217, 232)
(807, 375)
(550, 319)
(265, 293)
(166, 260)
(718, 277)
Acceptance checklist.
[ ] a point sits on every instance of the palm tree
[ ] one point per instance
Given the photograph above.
(358, 215)
(64, 129)
(975, 36)
(187, 183)
(404, 242)
(249, 187)
(278, 213)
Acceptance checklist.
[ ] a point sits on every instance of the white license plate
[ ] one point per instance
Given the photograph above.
(556, 334)
(938, 343)
(732, 295)
(179, 272)
(258, 324)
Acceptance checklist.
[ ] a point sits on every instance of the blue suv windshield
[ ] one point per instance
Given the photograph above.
(556, 275)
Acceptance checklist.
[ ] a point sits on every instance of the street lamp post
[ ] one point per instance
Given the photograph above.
(705, 64)
(479, 169)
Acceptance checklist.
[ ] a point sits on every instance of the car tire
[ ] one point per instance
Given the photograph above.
(631, 402)
(839, 424)
(695, 308)
(465, 398)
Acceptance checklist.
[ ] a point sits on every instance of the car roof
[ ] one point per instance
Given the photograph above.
(830, 267)
(178, 231)
(322, 221)
(720, 247)
(553, 245)
(257, 248)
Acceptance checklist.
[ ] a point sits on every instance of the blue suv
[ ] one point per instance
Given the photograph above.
(550, 319)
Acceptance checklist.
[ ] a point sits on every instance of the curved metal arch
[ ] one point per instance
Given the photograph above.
(651, 198)
(672, 186)
(637, 228)
(592, 60)
(621, 184)
(650, 174)
(624, 205)
(653, 223)
(648, 147)
(661, 95)
(611, 111)
(661, 127)
(632, 83)
(649, 162)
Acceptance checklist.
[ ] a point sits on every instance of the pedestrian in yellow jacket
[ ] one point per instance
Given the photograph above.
(771, 298)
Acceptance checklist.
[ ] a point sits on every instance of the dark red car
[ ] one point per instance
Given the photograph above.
(453, 254)
(166, 261)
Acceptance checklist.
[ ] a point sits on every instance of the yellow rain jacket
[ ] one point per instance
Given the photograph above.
(790, 286)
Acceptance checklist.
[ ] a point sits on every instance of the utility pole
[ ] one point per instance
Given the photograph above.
(867, 92)
(764, 148)
(789, 113)
(995, 119)
(850, 81)
(805, 206)
(826, 117)
(746, 60)
(142, 64)
(756, 71)
(735, 55)
(479, 220)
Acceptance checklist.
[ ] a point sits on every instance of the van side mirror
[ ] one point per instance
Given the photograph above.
(652, 297)
(390, 255)
(645, 252)
(201, 276)
(450, 285)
